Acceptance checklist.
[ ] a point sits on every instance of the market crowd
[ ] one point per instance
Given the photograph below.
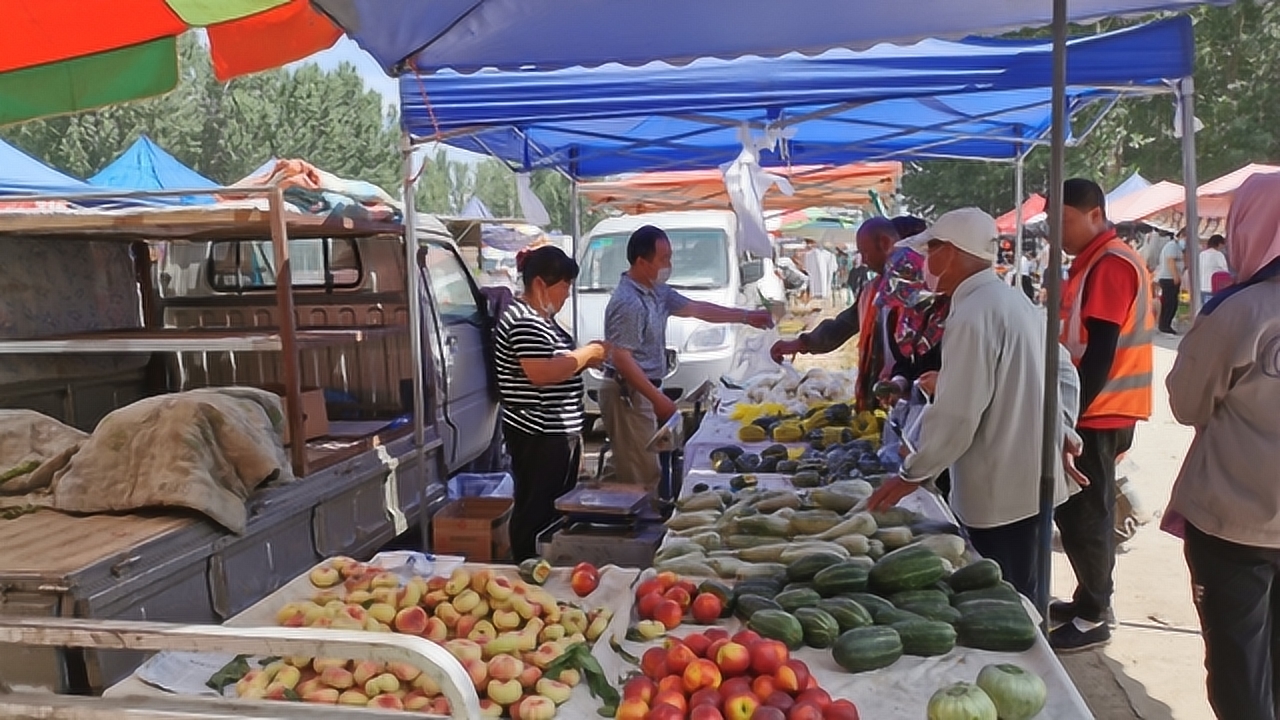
(955, 357)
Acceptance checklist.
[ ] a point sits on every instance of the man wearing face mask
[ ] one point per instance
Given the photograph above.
(985, 420)
(632, 404)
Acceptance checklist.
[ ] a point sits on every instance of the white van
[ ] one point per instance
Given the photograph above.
(706, 265)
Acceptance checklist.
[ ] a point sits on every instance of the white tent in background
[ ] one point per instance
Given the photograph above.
(1135, 183)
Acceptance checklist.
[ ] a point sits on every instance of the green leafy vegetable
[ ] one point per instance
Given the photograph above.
(230, 673)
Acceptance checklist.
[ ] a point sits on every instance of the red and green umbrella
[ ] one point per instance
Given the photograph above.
(64, 56)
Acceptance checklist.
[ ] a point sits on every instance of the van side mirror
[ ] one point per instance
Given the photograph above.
(752, 271)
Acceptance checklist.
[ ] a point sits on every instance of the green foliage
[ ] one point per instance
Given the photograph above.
(1237, 80)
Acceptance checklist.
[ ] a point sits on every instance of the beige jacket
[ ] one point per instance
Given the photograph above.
(1226, 384)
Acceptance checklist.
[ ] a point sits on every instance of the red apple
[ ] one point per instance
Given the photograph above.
(841, 710)
(706, 608)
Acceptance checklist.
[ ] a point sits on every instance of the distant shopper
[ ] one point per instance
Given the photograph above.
(1106, 327)
(820, 266)
(1226, 384)
(1212, 262)
(539, 367)
(1169, 278)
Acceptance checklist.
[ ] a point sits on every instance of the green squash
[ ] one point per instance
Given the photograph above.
(962, 701)
(1018, 694)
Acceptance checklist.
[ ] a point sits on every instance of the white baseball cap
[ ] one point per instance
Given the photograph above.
(969, 229)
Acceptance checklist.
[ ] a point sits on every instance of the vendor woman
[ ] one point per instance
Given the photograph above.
(539, 369)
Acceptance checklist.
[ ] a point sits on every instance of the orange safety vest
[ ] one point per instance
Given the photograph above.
(1127, 393)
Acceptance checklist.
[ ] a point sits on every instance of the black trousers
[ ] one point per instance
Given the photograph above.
(1015, 549)
(543, 467)
(1168, 305)
(1086, 522)
(1237, 593)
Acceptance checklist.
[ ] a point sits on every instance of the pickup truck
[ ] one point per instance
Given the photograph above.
(101, 308)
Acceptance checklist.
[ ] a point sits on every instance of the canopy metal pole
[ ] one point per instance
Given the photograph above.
(1049, 459)
(1018, 191)
(1186, 98)
(575, 218)
(413, 292)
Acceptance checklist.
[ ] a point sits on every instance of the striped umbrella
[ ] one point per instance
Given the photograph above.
(64, 56)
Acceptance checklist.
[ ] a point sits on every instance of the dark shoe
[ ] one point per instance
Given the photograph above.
(1067, 638)
(1061, 611)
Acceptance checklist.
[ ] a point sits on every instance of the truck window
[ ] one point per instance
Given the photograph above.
(700, 260)
(239, 265)
(451, 287)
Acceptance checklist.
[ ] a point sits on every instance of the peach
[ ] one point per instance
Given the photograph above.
(416, 700)
(366, 670)
(678, 658)
(698, 643)
(805, 711)
(740, 706)
(481, 610)
(434, 598)
(353, 697)
(448, 613)
(411, 594)
(359, 597)
(672, 697)
(746, 637)
(435, 630)
(557, 692)
(371, 624)
(466, 624)
(288, 676)
(466, 601)
(507, 643)
(460, 580)
(355, 612)
(386, 702)
(308, 686)
(385, 579)
(598, 625)
(463, 650)
(653, 663)
(817, 696)
(781, 700)
(480, 629)
(499, 588)
(337, 677)
(490, 709)
(792, 677)
(584, 582)
(666, 711)
(639, 687)
(707, 608)
(705, 696)
(385, 595)
(764, 686)
(547, 654)
(767, 656)
(632, 709)
(650, 629)
(530, 676)
(680, 596)
(380, 684)
(734, 686)
(570, 677)
(478, 671)
(733, 659)
(290, 615)
(706, 712)
(841, 710)
(427, 685)
(551, 633)
(436, 582)
(670, 684)
(410, 621)
(362, 580)
(383, 612)
(322, 664)
(535, 707)
(505, 667)
(323, 696)
(440, 706)
(277, 691)
(504, 692)
(480, 579)
(701, 673)
(669, 613)
(507, 620)
(404, 671)
(298, 661)
(574, 621)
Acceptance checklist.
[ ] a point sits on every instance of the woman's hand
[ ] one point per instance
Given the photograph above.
(928, 382)
(597, 353)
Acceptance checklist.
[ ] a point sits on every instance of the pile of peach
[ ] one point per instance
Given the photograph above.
(715, 676)
(504, 631)
(663, 602)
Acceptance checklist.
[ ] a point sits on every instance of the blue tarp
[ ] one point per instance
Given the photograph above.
(21, 174)
(469, 35)
(978, 98)
(146, 166)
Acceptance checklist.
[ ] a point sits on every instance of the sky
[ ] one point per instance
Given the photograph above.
(347, 51)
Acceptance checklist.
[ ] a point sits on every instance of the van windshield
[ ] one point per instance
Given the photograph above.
(700, 260)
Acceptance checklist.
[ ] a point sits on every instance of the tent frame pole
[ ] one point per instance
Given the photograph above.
(575, 220)
(1186, 100)
(413, 293)
(1049, 460)
(1018, 191)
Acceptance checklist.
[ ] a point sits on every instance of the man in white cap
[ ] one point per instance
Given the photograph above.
(986, 418)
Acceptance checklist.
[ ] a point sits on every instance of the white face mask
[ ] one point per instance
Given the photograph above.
(664, 274)
(930, 280)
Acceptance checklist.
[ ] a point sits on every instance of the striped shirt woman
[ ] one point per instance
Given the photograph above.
(539, 381)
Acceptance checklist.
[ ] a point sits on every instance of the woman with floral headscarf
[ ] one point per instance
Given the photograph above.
(1226, 501)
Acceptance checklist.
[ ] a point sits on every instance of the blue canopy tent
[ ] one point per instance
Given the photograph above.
(21, 174)
(977, 98)
(146, 166)
(469, 35)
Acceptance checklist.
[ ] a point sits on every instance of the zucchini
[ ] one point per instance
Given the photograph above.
(791, 600)
(814, 522)
(778, 625)
(1003, 591)
(981, 574)
(848, 613)
(892, 616)
(867, 648)
(925, 637)
(909, 568)
(819, 627)
(806, 567)
(925, 596)
(748, 605)
(931, 611)
(763, 553)
(874, 604)
(844, 577)
(996, 629)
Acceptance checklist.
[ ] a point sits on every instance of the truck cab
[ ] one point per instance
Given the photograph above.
(706, 265)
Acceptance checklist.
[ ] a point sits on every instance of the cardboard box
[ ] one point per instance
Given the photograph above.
(315, 419)
(474, 527)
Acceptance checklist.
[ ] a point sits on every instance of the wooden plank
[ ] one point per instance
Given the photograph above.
(199, 223)
(196, 339)
(52, 545)
(288, 334)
